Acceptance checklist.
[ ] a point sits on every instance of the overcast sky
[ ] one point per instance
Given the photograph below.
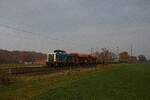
(75, 25)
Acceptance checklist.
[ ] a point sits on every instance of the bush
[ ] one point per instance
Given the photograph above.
(5, 78)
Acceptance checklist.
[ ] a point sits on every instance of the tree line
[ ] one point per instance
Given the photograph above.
(107, 56)
(104, 56)
(20, 57)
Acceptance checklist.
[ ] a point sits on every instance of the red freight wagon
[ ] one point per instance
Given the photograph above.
(83, 58)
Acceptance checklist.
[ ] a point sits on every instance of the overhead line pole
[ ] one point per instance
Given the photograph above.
(131, 49)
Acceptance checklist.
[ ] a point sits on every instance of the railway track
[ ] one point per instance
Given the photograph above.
(37, 70)
(28, 71)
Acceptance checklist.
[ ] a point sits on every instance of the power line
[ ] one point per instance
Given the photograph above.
(33, 33)
(20, 30)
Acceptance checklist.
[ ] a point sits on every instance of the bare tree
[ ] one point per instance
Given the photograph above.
(142, 58)
(107, 56)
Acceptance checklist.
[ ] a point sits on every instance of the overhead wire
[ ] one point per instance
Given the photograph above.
(33, 34)
(58, 41)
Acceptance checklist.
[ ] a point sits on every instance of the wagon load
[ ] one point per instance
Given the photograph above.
(84, 58)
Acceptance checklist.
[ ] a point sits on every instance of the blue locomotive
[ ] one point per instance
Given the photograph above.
(59, 58)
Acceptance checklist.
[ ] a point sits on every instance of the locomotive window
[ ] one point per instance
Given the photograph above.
(51, 57)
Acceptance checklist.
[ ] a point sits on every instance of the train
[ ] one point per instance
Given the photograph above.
(60, 58)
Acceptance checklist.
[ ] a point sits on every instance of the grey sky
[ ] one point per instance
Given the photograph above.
(75, 25)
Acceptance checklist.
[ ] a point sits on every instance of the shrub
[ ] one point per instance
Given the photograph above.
(5, 78)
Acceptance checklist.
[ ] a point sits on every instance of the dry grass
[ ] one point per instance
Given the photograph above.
(27, 87)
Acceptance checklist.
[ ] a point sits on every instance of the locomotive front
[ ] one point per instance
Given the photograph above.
(59, 58)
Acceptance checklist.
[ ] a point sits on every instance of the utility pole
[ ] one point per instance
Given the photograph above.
(131, 49)
(117, 50)
(91, 50)
(118, 53)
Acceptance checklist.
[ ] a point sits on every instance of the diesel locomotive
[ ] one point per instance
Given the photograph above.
(60, 58)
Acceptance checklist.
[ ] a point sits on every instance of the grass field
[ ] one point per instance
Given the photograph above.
(119, 82)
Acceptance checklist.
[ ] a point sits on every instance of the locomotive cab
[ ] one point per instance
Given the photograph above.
(51, 58)
(59, 58)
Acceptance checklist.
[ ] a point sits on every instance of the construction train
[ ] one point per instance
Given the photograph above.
(61, 58)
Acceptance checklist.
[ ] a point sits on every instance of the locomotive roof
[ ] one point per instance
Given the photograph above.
(62, 51)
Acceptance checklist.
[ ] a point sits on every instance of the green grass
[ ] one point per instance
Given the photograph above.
(121, 82)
